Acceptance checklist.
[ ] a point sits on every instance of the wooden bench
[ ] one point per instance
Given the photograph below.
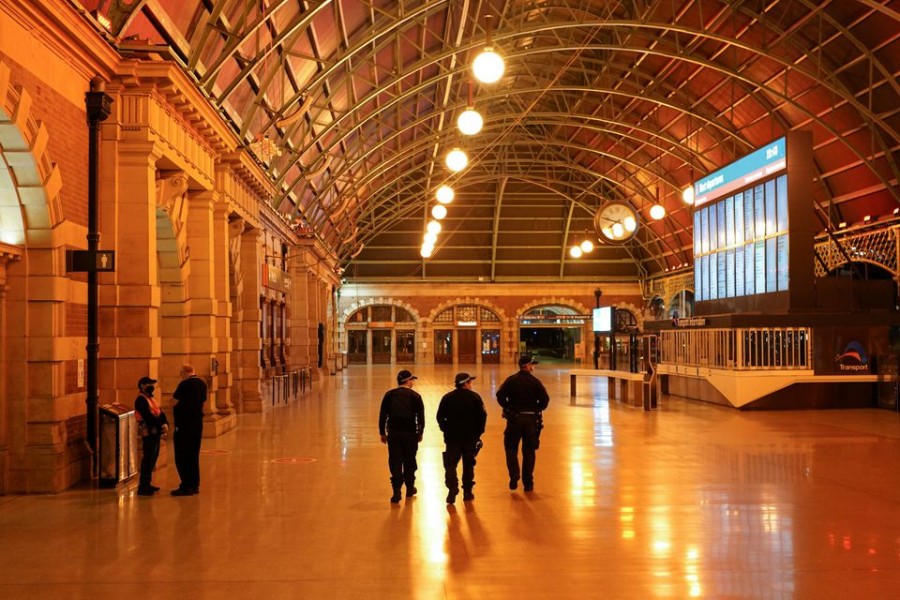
(623, 385)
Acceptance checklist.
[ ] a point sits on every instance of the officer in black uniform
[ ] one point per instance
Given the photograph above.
(401, 423)
(523, 398)
(461, 416)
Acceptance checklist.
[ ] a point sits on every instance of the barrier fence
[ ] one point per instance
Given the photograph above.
(738, 349)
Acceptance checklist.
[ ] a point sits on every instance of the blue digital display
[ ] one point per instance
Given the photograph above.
(760, 164)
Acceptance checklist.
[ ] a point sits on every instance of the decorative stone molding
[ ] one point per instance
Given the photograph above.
(355, 306)
(573, 304)
(467, 300)
(25, 167)
(638, 313)
(669, 287)
(8, 254)
(171, 218)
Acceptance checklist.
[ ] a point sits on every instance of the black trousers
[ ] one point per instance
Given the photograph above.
(402, 449)
(524, 429)
(150, 454)
(455, 452)
(187, 453)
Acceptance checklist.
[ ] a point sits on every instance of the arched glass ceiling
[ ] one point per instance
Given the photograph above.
(600, 101)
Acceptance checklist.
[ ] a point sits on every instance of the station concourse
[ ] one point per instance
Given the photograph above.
(691, 501)
(688, 210)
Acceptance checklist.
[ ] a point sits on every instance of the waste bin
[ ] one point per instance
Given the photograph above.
(118, 444)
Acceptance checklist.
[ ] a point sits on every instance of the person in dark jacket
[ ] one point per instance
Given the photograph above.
(189, 397)
(401, 423)
(523, 398)
(152, 425)
(461, 416)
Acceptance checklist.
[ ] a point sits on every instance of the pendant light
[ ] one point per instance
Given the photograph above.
(488, 66)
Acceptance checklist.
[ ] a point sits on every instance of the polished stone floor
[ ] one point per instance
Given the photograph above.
(690, 501)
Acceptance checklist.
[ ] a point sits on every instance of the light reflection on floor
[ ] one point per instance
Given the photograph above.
(690, 501)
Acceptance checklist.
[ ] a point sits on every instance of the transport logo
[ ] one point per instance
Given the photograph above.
(853, 358)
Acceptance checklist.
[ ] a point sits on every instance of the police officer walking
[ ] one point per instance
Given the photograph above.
(401, 423)
(461, 416)
(523, 398)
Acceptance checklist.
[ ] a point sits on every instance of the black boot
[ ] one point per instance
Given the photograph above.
(410, 490)
(451, 496)
(396, 497)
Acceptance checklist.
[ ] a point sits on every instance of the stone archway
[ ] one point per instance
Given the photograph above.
(358, 344)
(476, 342)
(38, 312)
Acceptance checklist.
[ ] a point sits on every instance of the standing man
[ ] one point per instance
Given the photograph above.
(188, 399)
(152, 425)
(401, 424)
(523, 398)
(461, 416)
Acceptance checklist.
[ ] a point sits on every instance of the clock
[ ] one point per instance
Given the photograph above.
(615, 222)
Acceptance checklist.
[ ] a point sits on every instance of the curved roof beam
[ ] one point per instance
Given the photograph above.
(787, 99)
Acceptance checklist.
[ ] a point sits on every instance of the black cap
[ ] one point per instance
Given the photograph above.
(145, 380)
(527, 359)
(462, 378)
(404, 376)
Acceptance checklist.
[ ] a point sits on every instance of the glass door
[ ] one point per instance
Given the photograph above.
(356, 346)
(490, 346)
(406, 346)
(443, 347)
(381, 346)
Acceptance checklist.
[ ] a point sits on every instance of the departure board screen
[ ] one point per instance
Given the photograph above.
(741, 227)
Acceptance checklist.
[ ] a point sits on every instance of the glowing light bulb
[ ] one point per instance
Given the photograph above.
(657, 211)
(606, 231)
(445, 194)
(426, 251)
(630, 224)
(433, 227)
(575, 252)
(431, 238)
(488, 66)
(617, 230)
(688, 194)
(587, 246)
(470, 122)
(456, 160)
(438, 211)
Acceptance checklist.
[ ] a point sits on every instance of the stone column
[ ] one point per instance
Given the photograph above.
(247, 373)
(224, 405)
(130, 345)
(173, 213)
(6, 256)
(312, 302)
(203, 307)
(297, 306)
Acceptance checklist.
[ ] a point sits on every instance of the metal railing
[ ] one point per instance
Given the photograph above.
(738, 349)
(289, 385)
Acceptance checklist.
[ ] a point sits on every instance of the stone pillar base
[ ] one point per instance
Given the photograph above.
(218, 425)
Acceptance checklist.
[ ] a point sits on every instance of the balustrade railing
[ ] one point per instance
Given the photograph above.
(742, 349)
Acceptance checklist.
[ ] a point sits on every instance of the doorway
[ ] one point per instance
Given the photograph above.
(466, 347)
(490, 346)
(443, 347)
(406, 346)
(356, 346)
(381, 346)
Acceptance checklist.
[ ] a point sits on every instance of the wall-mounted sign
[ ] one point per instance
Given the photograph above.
(275, 279)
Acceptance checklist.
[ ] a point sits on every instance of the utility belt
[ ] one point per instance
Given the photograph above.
(538, 415)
